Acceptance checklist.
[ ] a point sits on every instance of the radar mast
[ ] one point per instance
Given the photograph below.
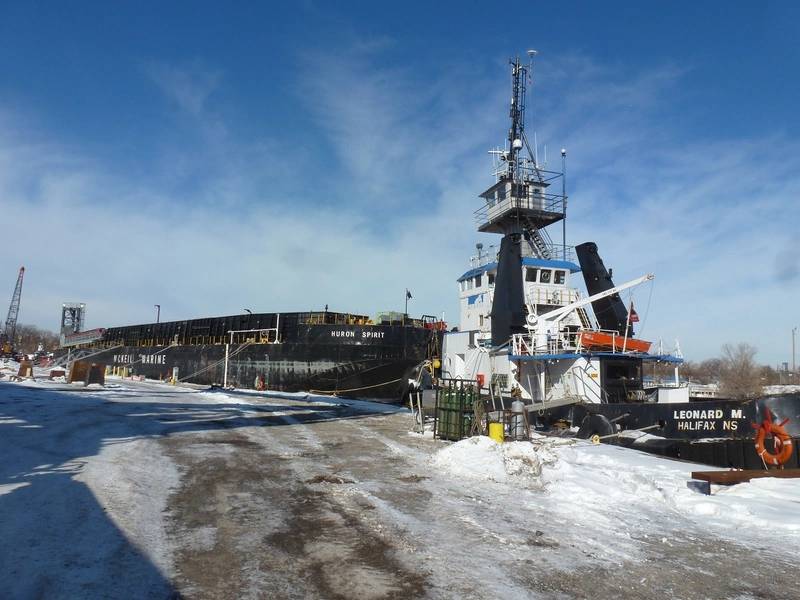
(522, 202)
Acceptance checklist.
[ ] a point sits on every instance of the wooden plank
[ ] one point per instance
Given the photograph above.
(734, 477)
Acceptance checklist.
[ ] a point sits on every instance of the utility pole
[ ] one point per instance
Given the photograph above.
(794, 364)
(158, 313)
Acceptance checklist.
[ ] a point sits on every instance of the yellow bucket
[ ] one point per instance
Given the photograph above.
(496, 432)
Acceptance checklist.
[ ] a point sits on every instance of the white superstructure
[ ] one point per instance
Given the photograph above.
(546, 347)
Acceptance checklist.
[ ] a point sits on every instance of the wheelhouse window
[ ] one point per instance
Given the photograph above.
(559, 277)
(477, 281)
(491, 278)
(544, 277)
(530, 274)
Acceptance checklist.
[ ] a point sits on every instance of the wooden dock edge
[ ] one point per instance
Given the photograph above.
(702, 480)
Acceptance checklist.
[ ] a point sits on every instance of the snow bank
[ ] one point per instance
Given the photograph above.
(8, 367)
(602, 486)
(483, 458)
(613, 479)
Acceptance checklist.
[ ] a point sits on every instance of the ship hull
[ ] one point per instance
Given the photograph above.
(357, 361)
(713, 432)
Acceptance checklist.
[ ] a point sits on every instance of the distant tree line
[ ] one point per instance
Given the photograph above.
(29, 337)
(736, 372)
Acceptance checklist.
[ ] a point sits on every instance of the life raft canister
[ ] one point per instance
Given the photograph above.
(783, 441)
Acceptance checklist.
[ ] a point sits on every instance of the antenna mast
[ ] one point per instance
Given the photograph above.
(516, 133)
(521, 204)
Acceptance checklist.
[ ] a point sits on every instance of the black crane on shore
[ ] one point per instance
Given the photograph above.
(10, 329)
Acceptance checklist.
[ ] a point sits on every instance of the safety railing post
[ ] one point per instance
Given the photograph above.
(225, 377)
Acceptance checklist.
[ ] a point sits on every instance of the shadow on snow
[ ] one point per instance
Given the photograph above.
(57, 540)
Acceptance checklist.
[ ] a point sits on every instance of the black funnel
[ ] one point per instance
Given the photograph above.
(508, 306)
(610, 311)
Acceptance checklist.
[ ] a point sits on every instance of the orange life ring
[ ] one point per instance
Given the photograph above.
(783, 441)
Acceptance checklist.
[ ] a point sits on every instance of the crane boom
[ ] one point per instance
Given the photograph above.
(560, 312)
(13, 310)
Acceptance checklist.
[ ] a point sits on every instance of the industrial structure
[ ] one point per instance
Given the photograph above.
(8, 336)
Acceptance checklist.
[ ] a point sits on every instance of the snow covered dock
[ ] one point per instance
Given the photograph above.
(148, 490)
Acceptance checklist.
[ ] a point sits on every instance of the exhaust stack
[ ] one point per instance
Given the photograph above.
(610, 311)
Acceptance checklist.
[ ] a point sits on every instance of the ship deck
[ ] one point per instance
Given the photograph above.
(668, 358)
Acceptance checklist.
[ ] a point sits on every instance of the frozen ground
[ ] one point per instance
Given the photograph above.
(148, 490)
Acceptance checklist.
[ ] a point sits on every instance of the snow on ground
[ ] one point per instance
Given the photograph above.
(140, 489)
(514, 463)
(603, 477)
(597, 485)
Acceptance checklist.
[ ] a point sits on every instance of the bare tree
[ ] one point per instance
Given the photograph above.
(29, 337)
(769, 376)
(740, 376)
(708, 371)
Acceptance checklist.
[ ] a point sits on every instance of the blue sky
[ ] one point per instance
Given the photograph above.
(211, 158)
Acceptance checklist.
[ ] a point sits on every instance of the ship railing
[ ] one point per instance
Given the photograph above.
(520, 346)
(254, 336)
(553, 250)
(333, 318)
(494, 209)
(526, 344)
(484, 258)
(529, 173)
(663, 382)
(552, 297)
(556, 251)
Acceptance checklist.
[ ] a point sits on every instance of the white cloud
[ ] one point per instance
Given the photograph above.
(715, 220)
(189, 87)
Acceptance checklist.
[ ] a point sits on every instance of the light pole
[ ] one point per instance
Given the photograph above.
(564, 206)
(794, 364)
(158, 313)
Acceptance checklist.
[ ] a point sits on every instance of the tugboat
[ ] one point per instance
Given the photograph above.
(528, 337)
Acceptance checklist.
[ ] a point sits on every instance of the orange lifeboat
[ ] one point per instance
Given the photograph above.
(601, 340)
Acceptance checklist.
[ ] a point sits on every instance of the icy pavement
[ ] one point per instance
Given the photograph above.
(149, 490)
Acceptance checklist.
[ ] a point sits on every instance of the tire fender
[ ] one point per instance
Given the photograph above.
(595, 425)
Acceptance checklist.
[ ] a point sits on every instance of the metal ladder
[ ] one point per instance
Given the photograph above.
(584, 317)
(539, 241)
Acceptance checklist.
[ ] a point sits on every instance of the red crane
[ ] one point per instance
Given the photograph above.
(10, 330)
